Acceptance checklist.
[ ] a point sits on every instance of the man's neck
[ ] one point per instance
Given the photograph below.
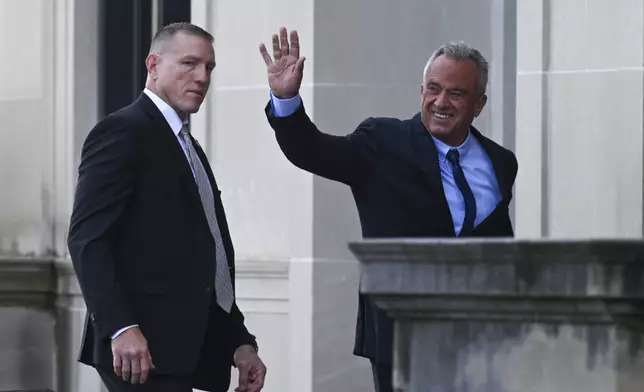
(455, 139)
(162, 96)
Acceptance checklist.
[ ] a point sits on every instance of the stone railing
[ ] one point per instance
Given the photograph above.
(510, 315)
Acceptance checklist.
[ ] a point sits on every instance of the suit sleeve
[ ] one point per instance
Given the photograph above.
(346, 159)
(106, 180)
(238, 332)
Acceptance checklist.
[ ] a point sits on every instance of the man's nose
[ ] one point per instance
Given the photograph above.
(441, 100)
(201, 75)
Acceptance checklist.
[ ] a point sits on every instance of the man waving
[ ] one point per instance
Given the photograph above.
(433, 175)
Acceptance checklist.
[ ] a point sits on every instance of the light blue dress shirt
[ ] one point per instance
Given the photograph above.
(479, 174)
(475, 162)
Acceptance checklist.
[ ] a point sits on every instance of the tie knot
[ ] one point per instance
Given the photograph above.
(452, 156)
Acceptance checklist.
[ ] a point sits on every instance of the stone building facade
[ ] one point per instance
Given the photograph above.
(566, 94)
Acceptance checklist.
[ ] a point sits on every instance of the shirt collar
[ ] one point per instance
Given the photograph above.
(169, 114)
(444, 148)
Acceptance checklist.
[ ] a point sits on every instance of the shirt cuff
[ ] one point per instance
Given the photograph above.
(285, 107)
(120, 331)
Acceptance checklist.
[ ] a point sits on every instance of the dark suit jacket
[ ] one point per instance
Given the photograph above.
(143, 253)
(392, 169)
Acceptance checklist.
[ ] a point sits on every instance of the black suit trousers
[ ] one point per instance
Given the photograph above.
(155, 383)
(211, 349)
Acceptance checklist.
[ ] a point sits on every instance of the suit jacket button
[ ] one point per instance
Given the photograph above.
(92, 316)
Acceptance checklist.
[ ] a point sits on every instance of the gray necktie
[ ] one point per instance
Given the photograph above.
(223, 284)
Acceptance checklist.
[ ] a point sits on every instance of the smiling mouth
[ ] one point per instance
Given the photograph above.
(441, 115)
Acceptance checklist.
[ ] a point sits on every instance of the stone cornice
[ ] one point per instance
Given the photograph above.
(589, 281)
(35, 281)
(42, 281)
(493, 250)
(28, 281)
(246, 269)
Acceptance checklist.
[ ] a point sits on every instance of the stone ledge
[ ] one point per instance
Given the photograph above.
(42, 281)
(490, 309)
(246, 269)
(497, 250)
(27, 281)
(554, 281)
(35, 282)
(492, 267)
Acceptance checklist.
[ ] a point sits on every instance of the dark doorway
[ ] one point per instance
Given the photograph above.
(125, 34)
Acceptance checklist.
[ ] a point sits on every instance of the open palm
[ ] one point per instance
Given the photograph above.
(286, 68)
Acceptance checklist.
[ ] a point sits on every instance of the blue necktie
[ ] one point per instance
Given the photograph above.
(468, 196)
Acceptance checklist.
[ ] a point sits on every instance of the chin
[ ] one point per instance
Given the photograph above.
(192, 109)
(441, 130)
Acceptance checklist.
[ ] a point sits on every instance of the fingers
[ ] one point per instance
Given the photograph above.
(146, 366)
(285, 50)
(295, 44)
(244, 371)
(277, 54)
(126, 369)
(118, 365)
(135, 375)
(134, 369)
(299, 65)
(257, 381)
(265, 55)
(132, 360)
(281, 47)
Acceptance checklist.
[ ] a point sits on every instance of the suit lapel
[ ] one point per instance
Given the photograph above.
(498, 162)
(426, 156)
(174, 151)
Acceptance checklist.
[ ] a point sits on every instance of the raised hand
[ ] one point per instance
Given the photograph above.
(286, 68)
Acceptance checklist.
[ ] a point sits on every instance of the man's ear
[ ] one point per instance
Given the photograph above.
(480, 104)
(151, 63)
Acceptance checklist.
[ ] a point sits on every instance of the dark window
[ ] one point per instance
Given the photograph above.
(125, 34)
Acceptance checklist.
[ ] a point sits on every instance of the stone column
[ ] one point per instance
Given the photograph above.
(48, 103)
(511, 316)
(580, 152)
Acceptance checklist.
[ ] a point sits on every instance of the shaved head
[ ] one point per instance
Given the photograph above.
(167, 33)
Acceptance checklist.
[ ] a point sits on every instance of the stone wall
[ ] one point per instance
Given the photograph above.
(580, 86)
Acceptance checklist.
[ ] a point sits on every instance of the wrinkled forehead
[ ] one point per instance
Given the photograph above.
(185, 44)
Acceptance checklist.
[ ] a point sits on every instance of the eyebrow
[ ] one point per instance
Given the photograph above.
(433, 83)
(192, 57)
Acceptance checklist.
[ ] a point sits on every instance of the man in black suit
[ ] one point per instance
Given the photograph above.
(433, 175)
(149, 239)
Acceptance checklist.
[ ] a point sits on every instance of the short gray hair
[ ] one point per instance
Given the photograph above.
(462, 51)
(169, 31)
